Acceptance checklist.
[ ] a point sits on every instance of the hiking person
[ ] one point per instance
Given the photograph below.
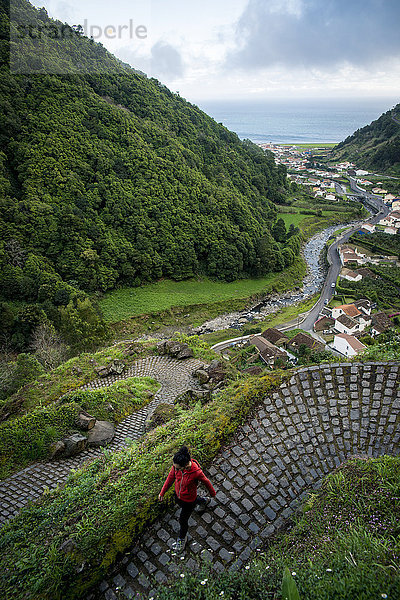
(186, 472)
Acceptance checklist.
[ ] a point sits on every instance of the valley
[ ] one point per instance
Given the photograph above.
(167, 282)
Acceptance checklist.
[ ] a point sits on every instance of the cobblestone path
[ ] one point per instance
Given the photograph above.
(27, 485)
(309, 426)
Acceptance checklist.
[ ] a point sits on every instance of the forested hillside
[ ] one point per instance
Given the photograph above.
(109, 178)
(375, 147)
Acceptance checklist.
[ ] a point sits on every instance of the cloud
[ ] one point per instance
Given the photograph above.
(166, 61)
(316, 33)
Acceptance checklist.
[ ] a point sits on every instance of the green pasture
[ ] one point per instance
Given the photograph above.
(162, 295)
(291, 219)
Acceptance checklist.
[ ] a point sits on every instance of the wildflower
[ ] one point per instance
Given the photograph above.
(204, 581)
(294, 573)
(247, 567)
(221, 593)
(182, 574)
(329, 570)
(383, 595)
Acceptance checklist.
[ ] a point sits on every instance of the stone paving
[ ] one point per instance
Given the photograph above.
(302, 431)
(28, 485)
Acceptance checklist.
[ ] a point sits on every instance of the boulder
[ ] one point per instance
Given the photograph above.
(116, 367)
(216, 371)
(191, 397)
(175, 349)
(185, 352)
(74, 444)
(101, 434)
(85, 421)
(57, 450)
(102, 371)
(201, 375)
(161, 347)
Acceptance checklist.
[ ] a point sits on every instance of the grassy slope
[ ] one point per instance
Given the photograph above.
(375, 146)
(162, 295)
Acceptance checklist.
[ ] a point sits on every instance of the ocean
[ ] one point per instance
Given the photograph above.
(299, 121)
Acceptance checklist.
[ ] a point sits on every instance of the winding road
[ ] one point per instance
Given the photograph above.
(380, 210)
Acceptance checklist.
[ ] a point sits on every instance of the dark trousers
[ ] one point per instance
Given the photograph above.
(187, 509)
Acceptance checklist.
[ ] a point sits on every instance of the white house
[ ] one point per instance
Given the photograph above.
(350, 310)
(346, 324)
(390, 230)
(347, 345)
(368, 227)
(350, 275)
(349, 255)
(363, 305)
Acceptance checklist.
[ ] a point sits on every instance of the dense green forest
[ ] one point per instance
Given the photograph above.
(109, 178)
(376, 146)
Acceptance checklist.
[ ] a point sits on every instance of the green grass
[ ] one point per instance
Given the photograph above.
(166, 295)
(291, 219)
(344, 546)
(162, 295)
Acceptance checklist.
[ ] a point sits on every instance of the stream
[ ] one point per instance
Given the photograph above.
(312, 283)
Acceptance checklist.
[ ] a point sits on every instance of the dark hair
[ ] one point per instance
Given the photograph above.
(182, 457)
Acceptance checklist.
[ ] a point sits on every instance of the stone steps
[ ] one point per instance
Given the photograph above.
(28, 485)
(301, 432)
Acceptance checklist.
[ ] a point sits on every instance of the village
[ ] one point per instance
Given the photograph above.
(352, 320)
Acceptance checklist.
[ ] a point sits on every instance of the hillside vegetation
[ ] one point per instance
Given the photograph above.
(375, 147)
(109, 178)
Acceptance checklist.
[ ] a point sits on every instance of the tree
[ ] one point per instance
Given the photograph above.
(47, 346)
(279, 231)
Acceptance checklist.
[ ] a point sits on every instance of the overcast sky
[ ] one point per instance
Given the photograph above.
(251, 49)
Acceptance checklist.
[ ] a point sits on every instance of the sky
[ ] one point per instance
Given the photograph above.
(250, 49)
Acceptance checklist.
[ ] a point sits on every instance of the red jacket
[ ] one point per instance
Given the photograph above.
(186, 482)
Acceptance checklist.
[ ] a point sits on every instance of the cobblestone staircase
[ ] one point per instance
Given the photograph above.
(28, 485)
(300, 433)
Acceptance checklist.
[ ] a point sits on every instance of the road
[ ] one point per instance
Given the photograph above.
(381, 210)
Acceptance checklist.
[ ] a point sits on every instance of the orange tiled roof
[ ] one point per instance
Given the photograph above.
(350, 310)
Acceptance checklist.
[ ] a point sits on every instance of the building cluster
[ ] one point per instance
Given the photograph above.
(348, 321)
(350, 256)
(275, 348)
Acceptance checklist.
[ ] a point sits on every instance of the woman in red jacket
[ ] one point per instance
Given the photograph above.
(186, 473)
